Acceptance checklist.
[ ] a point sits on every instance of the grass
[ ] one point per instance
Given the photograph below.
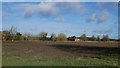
(10, 60)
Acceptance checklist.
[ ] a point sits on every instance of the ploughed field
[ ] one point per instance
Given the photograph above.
(54, 53)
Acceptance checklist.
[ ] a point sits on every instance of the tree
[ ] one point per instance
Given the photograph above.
(69, 38)
(98, 38)
(93, 38)
(5, 35)
(105, 38)
(13, 31)
(73, 37)
(62, 37)
(18, 36)
(53, 37)
(23, 38)
(0, 35)
(83, 37)
(27, 36)
(43, 36)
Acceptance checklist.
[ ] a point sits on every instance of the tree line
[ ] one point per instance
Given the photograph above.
(12, 35)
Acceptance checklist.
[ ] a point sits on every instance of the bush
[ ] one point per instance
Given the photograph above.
(62, 37)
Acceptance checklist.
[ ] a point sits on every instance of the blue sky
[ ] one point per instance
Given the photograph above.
(71, 18)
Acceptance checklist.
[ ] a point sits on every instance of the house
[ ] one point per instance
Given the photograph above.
(75, 39)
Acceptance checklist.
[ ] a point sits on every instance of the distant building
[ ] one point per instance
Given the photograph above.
(75, 39)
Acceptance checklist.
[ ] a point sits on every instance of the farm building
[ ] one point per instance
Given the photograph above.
(75, 39)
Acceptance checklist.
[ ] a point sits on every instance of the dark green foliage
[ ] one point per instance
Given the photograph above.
(18, 36)
(72, 38)
(69, 38)
(12, 34)
(7, 36)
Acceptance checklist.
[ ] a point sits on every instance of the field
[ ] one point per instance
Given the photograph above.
(54, 53)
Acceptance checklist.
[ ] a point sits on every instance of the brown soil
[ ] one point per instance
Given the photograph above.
(60, 50)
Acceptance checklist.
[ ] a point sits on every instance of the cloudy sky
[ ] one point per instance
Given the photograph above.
(71, 18)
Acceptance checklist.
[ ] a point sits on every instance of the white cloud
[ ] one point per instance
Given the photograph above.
(92, 18)
(44, 9)
(59, 19)
(100, 4)
(48, 9)
(74, 7)
(60, 0)
(100, 17)
(103, 31)
(107, 5)
(103, 16)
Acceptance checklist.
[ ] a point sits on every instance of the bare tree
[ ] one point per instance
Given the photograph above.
(98, 38)
(18, 36)
(105, 38)
(43, 35)
(13, 32)
(53, 37)
(27, 36)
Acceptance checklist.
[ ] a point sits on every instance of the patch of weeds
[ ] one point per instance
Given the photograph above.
(38, 61)
(5, 54)
(27, 52)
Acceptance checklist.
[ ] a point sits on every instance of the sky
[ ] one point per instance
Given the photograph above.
(70, 18)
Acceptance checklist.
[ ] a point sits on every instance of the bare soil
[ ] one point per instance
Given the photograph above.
(60, 50)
